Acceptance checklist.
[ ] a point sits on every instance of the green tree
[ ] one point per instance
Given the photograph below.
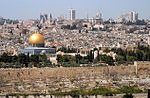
(5, 58)
(130, 89)
(131, 58)
(107, 59)
(101, 91)
(90, 56)
(14, 58)
(60, 58)
(140, 55)
(43, 58)
(78, 58)
(120, 59)
(35, 60)
(22, 59)
(66, 60)
(127, 96)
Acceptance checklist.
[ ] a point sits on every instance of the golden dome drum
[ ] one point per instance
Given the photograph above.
(36, 38)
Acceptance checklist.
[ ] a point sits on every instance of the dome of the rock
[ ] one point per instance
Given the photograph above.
(36, 38)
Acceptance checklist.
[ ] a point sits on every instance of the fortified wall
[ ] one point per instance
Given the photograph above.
(46, 80)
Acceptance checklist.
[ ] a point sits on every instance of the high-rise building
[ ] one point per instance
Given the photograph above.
(72, 14)
(130, 16)
(133, 16)
(43, 18)
(149, 39)
(50, 17)
(98, 15)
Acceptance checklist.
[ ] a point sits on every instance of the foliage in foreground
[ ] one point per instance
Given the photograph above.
(128, 96)
(102, 91)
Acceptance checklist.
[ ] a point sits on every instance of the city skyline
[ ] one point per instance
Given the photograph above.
(31, 9)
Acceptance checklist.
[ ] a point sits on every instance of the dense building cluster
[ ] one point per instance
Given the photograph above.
(80, 34)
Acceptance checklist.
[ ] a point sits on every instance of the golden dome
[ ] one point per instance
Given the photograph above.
(36, 38)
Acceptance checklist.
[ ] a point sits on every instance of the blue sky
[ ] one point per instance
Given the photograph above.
(30, 9)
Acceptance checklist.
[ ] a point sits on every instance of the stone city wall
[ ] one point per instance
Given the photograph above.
(45, 80)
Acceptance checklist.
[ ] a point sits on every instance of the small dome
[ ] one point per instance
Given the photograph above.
(36, 38)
